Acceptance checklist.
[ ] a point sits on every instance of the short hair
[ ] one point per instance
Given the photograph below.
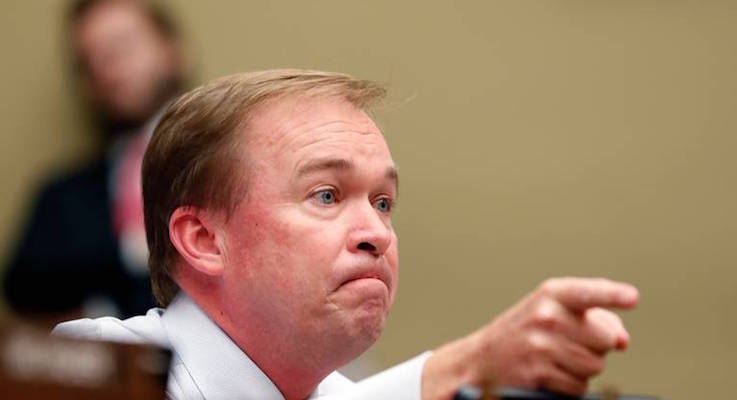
(195, 157)
(161, 19)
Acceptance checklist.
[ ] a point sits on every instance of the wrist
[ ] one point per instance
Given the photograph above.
(451, 366)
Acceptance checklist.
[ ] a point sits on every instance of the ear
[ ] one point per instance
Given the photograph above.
(196, 236)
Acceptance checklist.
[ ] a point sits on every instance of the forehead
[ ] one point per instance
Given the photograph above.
(299, 128)
(109, 17)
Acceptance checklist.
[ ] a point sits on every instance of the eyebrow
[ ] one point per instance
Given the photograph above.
(341, 164)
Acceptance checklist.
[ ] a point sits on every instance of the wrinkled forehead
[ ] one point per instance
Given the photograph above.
(292, 139)
(306, 122)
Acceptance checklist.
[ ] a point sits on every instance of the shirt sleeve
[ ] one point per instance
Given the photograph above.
(401, 382)
(78, 329)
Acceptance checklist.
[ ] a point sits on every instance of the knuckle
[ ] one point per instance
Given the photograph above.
(541, 380)
(548, 286)
(590, 364)
(578, 387)
(541, 377)
(597, 366)
(565, 384)
(545, 316)
(528, 377)
(539, 345)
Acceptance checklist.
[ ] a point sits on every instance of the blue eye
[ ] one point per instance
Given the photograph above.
(325, 196)
(384, 205)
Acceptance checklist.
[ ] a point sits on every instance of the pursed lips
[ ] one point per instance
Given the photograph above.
(379, 270)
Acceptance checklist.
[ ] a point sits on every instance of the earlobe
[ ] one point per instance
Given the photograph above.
(195, 236)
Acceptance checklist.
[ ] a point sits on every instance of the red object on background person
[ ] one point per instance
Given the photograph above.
(127, 201)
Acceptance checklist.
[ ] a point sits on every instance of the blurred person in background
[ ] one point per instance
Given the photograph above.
(83, 251)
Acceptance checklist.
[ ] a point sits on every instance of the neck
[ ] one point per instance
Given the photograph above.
(294, 363)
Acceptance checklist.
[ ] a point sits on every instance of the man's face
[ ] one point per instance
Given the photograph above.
(125, 62)
(311, 248)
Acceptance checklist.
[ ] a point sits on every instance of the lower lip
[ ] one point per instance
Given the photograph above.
(366, 284)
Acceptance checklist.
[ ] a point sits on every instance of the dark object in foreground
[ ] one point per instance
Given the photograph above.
(522, 394)
(469, 392)
(37, 366)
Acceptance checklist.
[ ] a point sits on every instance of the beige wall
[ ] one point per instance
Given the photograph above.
(534, 139)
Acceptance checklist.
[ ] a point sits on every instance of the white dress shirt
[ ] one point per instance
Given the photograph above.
(206, 364)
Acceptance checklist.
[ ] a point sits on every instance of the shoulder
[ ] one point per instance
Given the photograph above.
(141, 329)
(334, 383)
(72, 192)
(89, 177)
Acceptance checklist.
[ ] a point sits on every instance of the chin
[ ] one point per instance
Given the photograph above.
(369, 323)
(363, 307)
(356, 333)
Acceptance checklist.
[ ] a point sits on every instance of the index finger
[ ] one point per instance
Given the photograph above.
(579, 294)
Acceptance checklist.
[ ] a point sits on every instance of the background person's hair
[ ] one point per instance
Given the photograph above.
(162, 21)
(195, 156)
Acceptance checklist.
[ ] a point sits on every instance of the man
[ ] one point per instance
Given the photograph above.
(268, 199)
(85, 243)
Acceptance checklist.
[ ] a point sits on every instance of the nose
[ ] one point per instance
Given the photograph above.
(370, 232)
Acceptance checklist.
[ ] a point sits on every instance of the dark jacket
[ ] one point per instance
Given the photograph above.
(69, 254)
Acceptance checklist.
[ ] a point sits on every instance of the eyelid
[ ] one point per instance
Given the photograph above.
(323, 188)
(313, 194)
(384, 195)
(391, 200)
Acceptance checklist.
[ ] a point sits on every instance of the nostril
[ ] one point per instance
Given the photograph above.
(366, 246)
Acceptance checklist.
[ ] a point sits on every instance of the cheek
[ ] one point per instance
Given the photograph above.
(392, 258)
(314, 248)
(293, 253)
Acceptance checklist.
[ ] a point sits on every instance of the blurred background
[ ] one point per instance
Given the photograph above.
(534, 139)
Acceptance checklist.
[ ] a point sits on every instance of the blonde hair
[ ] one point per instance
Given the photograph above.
(195, 155)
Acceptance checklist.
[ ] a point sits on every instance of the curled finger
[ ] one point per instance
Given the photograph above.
(556, 379)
